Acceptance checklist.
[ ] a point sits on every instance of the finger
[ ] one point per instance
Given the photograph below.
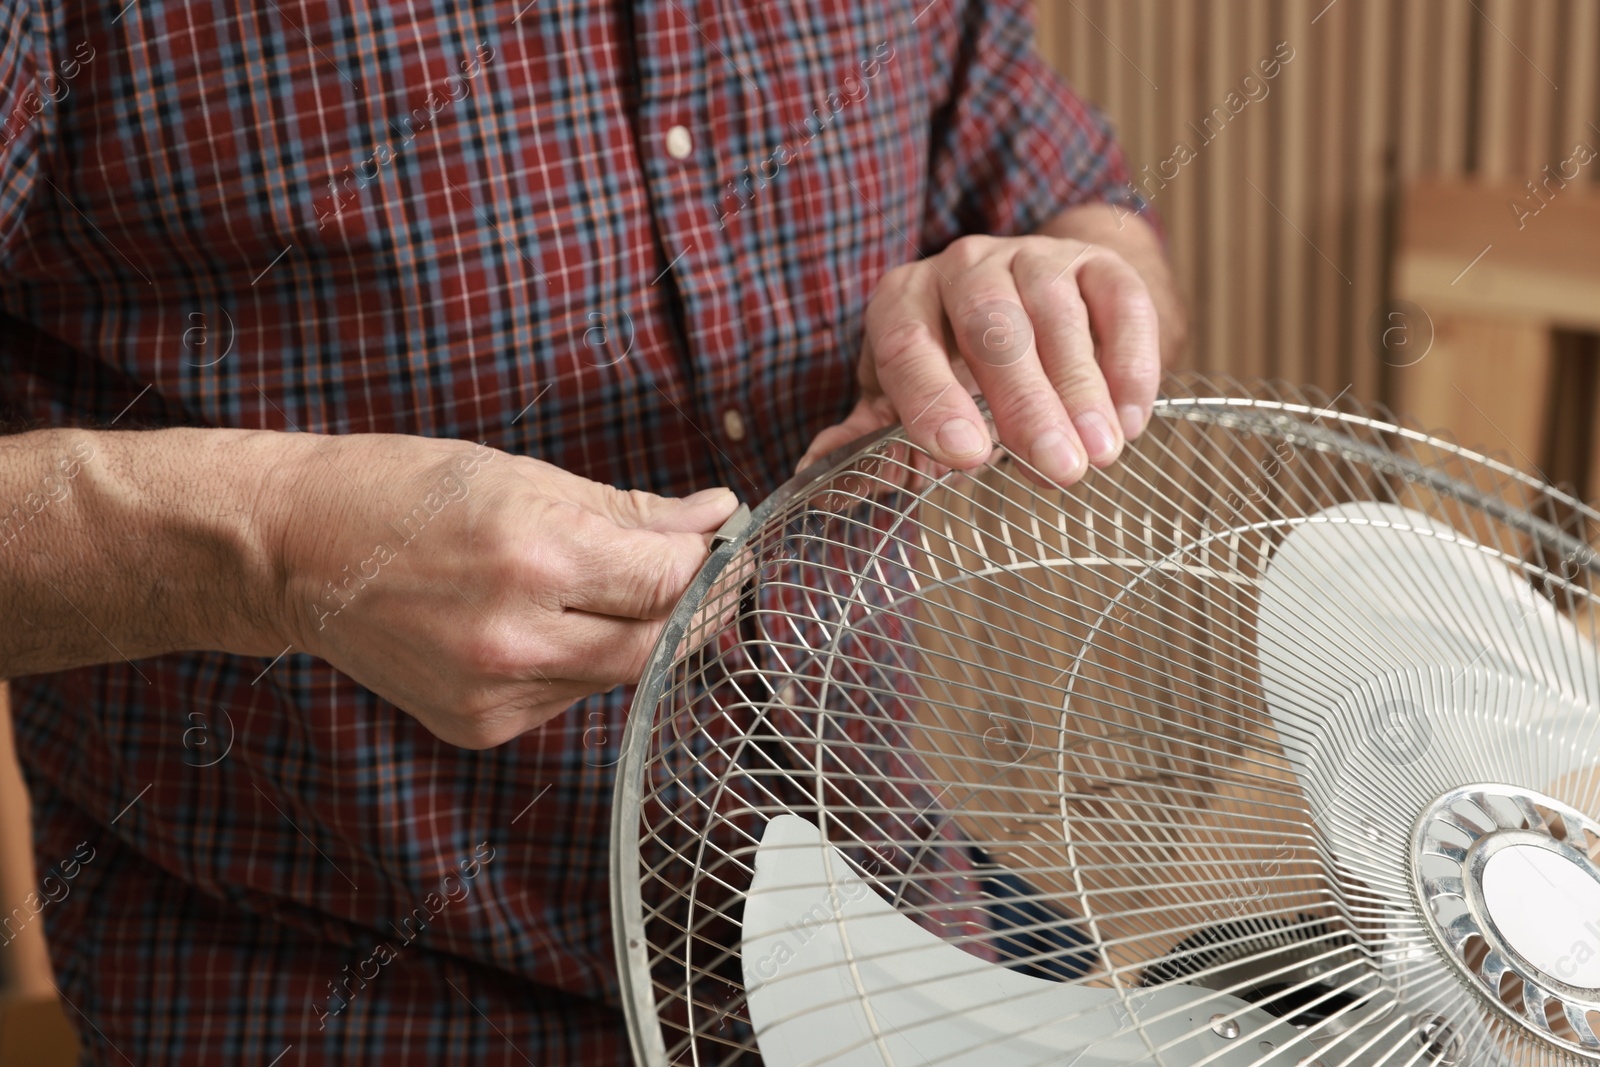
(868, 416)
(636, 508)
(1060, 319)
(606, 651)
(905, 324)
(997, 341)
(596, 566)
(700, 512)
(1123, 317)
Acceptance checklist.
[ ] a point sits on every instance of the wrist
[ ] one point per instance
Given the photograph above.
(199, 520)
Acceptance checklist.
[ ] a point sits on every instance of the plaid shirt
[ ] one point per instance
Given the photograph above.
(636, 240)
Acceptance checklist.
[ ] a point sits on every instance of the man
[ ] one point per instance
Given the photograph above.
(376, 372)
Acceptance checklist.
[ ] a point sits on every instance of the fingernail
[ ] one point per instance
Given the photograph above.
(959, 439)
(1132, 417)
(719, 495)
(1095, 433)
(1055, 457)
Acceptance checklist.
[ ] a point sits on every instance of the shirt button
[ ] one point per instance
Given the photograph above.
(679, 143)
(733, 424)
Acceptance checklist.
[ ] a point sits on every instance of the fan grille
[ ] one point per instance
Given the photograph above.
(1035, 722)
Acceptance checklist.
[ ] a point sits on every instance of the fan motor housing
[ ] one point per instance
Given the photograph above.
(1508, 886)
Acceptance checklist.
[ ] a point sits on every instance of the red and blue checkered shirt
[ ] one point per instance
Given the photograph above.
(635, 240)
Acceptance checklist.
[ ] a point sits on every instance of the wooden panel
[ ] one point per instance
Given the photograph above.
(35, 1033)
(1549, 268)
(1486, 380)
(24, 965)
(1306, 183)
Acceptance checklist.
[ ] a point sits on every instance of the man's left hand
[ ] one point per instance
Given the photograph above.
(1063, 336)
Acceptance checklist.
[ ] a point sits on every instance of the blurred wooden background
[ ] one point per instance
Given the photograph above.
(1286, 224)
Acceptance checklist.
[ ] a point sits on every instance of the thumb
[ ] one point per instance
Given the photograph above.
(868, 416)
(637, 509)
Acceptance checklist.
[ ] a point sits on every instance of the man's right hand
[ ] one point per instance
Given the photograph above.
(481, 592)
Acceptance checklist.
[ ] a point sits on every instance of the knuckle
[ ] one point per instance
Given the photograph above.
(542, 564)
(1080, 386)
(480, 724)
(635, 658)
(661, 580)
(1027, 406)
(969, 249)
(629, 505)
(638, 502)
(1045, 259)
(898, 279)
(1128, 297)
(904, 342)
(997, 330)
(1065, 305)
(978, 301)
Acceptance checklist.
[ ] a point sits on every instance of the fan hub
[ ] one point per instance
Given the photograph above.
(1511, 894)
(1546, 901)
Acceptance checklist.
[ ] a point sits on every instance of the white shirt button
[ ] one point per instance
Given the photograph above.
(679, 143)
(733, 424)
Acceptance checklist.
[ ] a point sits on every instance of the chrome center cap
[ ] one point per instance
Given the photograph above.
(1507, 882)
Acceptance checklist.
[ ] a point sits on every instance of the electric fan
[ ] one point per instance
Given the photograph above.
(1275, 743)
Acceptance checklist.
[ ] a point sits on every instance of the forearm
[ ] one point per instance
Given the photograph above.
(1137, 242)
(122, 545)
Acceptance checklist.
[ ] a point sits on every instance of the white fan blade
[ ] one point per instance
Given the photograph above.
(1377, 586)
(835, 975)
(1400, 660)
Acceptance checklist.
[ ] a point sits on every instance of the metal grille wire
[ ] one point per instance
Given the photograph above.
(1033, 720)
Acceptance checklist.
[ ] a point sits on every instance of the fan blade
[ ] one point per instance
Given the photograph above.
(1391, 587)
(835, 975)
(1399, 660)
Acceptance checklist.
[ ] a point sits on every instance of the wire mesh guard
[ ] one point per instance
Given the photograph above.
(1272, 744)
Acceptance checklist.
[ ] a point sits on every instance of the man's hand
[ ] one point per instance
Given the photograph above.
(481, 592)
(1063, 336)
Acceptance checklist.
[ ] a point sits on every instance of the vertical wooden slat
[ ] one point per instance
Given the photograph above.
(1416, 149)
(1328, 57)
(1580, 93)
(1255, 125)
(1540, 114)
(1456, 68)
(1122, 76)
(1294, 91)
(1500, 84)
(1371, 142)
(1146, 120)
(1220, 178)
(1180, 200)
(1047, 28)
(1079, 47)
